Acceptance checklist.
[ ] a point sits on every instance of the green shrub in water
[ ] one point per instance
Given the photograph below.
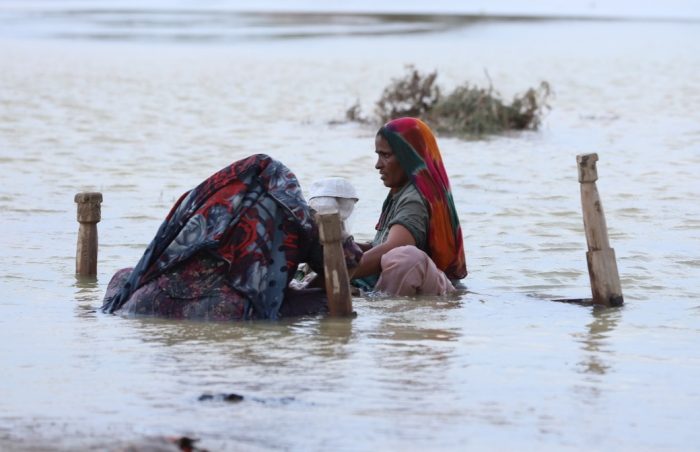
(468, 111)
(413, 95)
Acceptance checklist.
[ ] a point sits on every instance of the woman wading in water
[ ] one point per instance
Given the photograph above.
(418, 246)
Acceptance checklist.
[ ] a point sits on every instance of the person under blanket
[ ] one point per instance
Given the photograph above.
(228, 250)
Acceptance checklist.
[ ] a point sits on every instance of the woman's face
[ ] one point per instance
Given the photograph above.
(390, 171)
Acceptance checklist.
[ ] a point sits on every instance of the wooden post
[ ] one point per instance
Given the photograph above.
(602, 267)
(336, 272)
(88, 217)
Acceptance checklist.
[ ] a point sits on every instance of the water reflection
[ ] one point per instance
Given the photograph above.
(261, 360)
(171, 333)
(411, 346)
(334, 337)
(596, 341)
(338, 330)
(289, 345)
(402, 319)
(87, 295)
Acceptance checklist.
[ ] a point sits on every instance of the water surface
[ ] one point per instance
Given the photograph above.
(142, 119)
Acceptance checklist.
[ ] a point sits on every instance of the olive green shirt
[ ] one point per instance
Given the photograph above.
(407, 208)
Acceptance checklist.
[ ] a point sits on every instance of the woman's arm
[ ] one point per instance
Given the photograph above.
(370, 264)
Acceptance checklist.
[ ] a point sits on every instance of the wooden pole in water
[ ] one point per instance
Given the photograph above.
(336, 272)
(88, 216)
(602, 267)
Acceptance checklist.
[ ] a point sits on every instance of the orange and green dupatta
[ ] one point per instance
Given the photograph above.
(416, 149)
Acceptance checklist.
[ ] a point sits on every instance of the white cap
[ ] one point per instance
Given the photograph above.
(336, 187)
(333, 194)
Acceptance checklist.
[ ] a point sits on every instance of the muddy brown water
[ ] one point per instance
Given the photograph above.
(496, 367)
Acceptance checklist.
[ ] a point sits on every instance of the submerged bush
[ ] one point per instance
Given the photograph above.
(470, 110)
(413, 95)
(467, 111)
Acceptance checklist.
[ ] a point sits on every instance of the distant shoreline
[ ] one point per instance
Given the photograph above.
(225, 25)
(306, 13)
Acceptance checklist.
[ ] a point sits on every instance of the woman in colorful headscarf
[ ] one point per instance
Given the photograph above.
(418, 246)
(228, 250)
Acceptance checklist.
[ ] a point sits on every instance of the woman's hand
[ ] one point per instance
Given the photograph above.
(364, 246)
(370, 264)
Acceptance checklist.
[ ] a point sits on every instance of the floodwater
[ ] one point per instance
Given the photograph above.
(141, 106)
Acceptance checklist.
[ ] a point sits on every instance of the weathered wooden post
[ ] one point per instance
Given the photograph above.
(336, 272)
(602, 267)
(88, 217)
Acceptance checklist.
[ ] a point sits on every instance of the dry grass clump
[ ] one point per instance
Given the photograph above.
(468, 111)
